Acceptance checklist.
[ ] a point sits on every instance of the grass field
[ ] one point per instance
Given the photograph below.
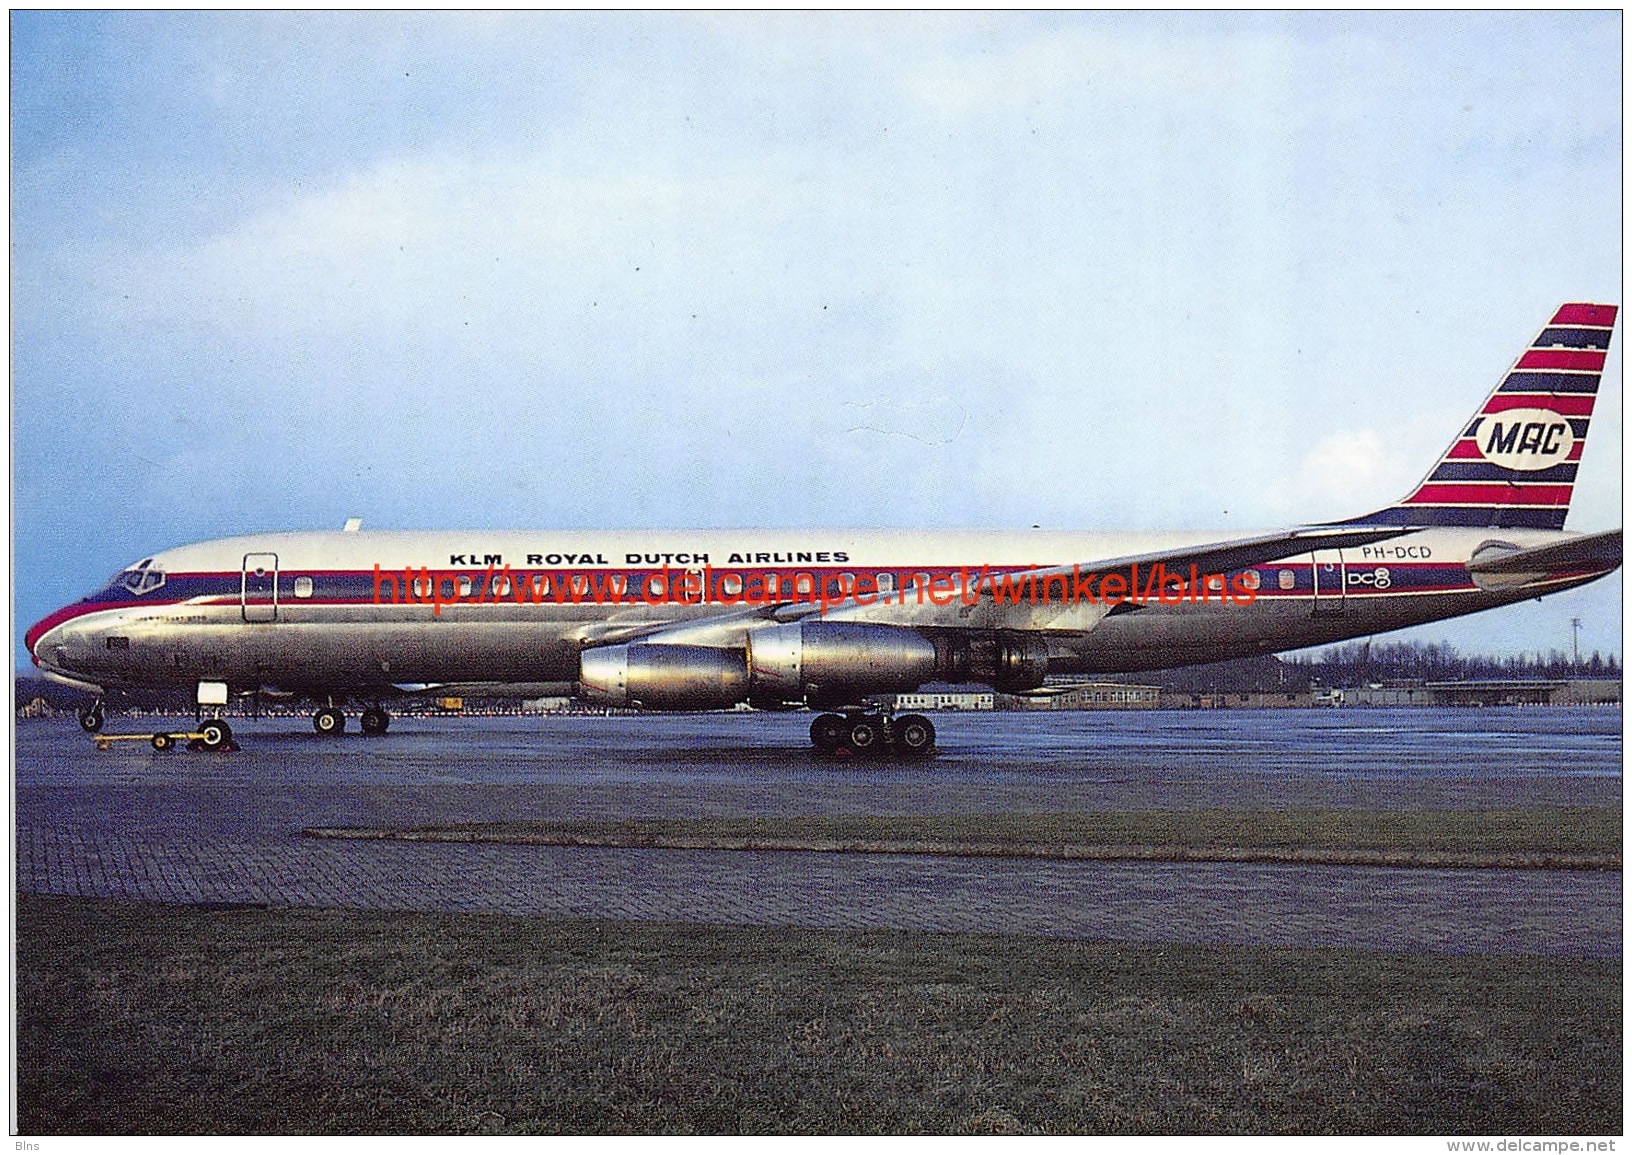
(1572, 837)
(151, 1019)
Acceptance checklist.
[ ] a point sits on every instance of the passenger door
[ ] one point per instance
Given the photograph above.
(259, 590)
(1329, 582)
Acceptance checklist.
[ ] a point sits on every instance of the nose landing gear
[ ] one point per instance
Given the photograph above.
(216, 734)
(91, 717)
(873, 732)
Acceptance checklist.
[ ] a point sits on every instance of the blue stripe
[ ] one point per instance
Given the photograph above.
(1490, 471)
(1528, 382)
(1573, 339)
(1482, 516)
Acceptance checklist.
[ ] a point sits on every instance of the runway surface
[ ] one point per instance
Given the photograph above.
(214, 828)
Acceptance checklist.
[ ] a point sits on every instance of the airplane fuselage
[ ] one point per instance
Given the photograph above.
(328, 611)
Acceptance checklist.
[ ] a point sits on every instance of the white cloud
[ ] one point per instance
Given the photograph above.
(1354, 471)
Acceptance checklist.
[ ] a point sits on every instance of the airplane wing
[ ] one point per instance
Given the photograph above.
(992, 602)
(1589, 551)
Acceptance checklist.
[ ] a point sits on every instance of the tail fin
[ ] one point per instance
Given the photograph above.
(1514, 465)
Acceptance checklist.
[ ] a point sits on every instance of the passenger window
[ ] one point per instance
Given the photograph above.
(1287, 580)
(303, 587)
(731, 585)
(464, 585)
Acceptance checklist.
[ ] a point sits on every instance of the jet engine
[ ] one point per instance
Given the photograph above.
(1019, 661)
(837, 661)
(663, 677)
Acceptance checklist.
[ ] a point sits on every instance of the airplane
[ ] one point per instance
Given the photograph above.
(839, 621)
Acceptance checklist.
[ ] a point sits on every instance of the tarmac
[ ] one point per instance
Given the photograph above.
(225, 829)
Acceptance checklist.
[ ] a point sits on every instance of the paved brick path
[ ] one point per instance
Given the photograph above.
(193, 828)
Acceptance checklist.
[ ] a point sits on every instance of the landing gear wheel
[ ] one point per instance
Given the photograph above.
(865, 735)
(914, 736)
(375, 721)
(90, 719)
(216, 734)
(329, 722)
(827, 732)
(163, 741)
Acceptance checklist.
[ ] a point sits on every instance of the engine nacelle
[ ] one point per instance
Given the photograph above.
(835, 660)
(1020, 662)
(821, 662)
(663, 677)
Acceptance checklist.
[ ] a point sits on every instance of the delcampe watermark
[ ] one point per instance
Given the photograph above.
(1138, 586)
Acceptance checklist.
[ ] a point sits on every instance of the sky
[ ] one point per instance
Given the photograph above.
(271, 270)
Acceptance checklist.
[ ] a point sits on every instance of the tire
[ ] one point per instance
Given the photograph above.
(914, 736)
(375, 722)
(865, 735)
(329, 722)
(91, 721)
(163, 741)
(216, 734)
(827, 732)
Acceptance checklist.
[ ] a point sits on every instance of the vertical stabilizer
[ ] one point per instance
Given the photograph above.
(1514, 464)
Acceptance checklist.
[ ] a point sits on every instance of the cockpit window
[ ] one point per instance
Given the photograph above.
(143, 578)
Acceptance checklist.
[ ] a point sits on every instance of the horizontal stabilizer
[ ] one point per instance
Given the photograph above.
(1589, 551)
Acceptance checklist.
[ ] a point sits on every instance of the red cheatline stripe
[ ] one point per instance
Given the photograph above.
(1493, 493)
(1602, 316)
(1575, 451)
(1592, 359)
(1564, 404)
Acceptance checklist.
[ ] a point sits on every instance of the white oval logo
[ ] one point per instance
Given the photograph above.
(1525, 439)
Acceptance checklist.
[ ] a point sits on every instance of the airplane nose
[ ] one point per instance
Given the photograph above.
(32, 639)
(39, 629)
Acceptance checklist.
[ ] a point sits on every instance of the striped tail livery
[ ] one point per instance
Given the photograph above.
(1514, 464)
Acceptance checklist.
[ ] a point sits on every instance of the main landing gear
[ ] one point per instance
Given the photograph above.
(873, 732)
(330, 722)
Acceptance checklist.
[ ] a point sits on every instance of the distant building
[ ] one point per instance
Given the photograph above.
(1087, 696)
(1589, 692)
(1478, 692)
(1394, 693)
(1238, 700)
(550, 705)
(946, 700)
